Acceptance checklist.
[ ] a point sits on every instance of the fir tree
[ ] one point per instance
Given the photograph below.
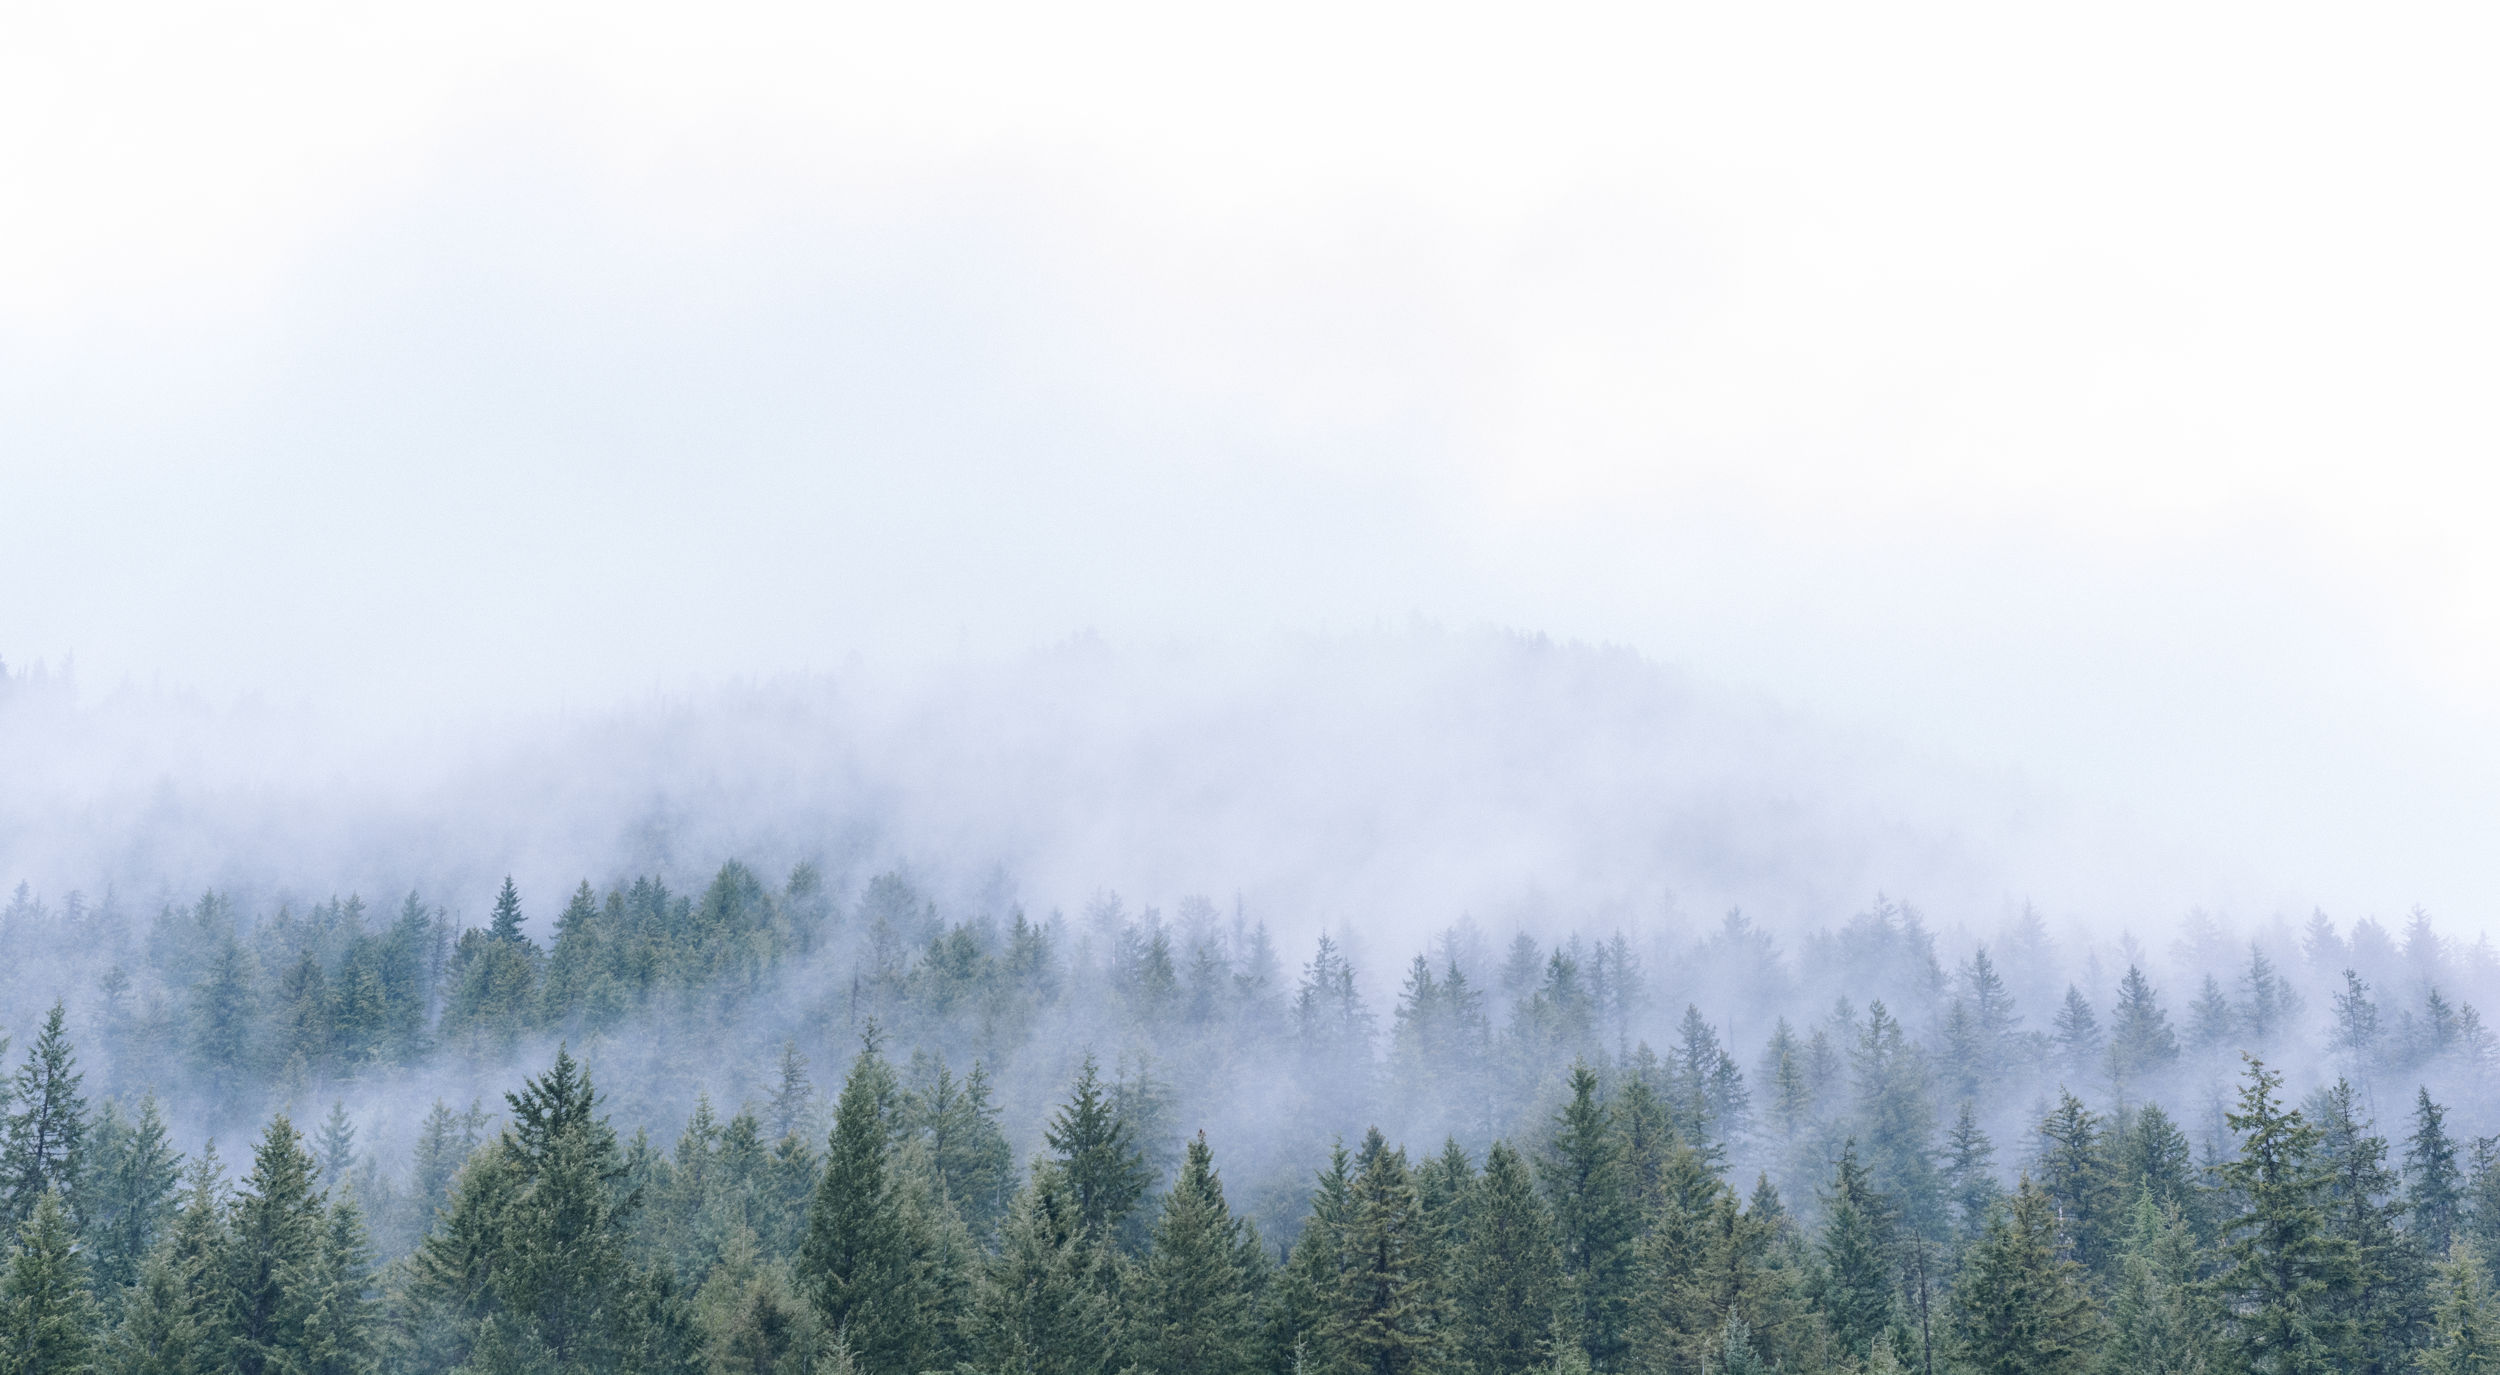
(128, 1194)
(2465, 1326)
(2074, 1176)
(1198, 1289)
(1044, 1306)
(47, 1125)
(1969, 1173)
(1595, 1221)
(2160, 1321)
(1386, 1315)
(2019, 1307)
(1097, 1146)
(793, 1108)
(2434, 1198)
(861, 1264)
(47, 1315)
(2078, 1036)
(1508, 1278)
(2283, 1275)
(276, 1240)
(1854, 1286)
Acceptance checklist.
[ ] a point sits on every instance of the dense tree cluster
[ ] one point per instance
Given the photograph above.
(1130, 1144)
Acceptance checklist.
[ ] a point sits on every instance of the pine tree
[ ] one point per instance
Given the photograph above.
(1595, 1221)
(2283, 1275)
(2465, 1326)
(2074, 1175)
(1508, 1279)
(1044, 1306)
(2019, 1308)
(861, 1265)
(1300, 1297)
(1097, 1146)
(1386, 1314)
(47, 1125)
(1198, 1289)
(2434, 1199)
(1969, 1173)
(2160, 1320)
(334, 1147)
(340, 1321)
(1896, 1122)
(969, 1153)
(276, 1241)
(128, 1194)
(47, 1315)
(2386, 1306)
(2141, 1042)
(793, 1108)
(2078, 1036)
(1855, 1283)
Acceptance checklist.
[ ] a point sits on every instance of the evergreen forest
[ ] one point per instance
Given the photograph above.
(826, 1125)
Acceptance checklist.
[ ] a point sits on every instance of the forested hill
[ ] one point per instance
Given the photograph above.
(1124, 1138)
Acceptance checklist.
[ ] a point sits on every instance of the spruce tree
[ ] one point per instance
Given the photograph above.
(2284, 1276)
(2160, 1321)
(128, 1194)
(1387, 1314)
(341, 1319)
(1508, 1279)
(47, 1124)
(2019, 1307)
(274, 1245)
(48, 1316)
(1043, 1306)
(1595, 1220)
(2387, 1305)
(1299, 1300)
(1970, 1177)
(860, 1264)
(2141, 1042)
(2074, 1174)
(1197, 1292)
(1854, 1286)
(1097, 1146)
(2434, 1198)
(2465, 1326)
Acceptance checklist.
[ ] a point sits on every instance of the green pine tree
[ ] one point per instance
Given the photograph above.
(47, 1124)
(1387, 1314)
(2160, 1321)
(861, 1263)
(1508, 1279)
(273, 1246)
(2465, 1336)
(1044, 1306)
(1097, 1146)
(2019, 1307)
(48, 1318)
(129, 1192)
(1595, 1221)
(2284, 1276)
(1197, 1293)
(1854, 1286)
(2434, 1196)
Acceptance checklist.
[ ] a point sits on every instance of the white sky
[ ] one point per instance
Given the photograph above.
(2105, 394)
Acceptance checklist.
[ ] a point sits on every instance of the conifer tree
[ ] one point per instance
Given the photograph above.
(47, 1315)
(1969, 1176)
(793, 1108)
(2160, 1320)
(2141, 1042)
(1854, 1287)
(1198, 1289)
(1595, 1220)
(2283, 1275)
(129, 1194)
(1896, 1122)
(2078, 1036)
(340, 1320)
(1303, 1290)
(1097, 1146)
(2074, 1174)
(2465, 1338)
(47, 1124)
(2434, 1199)
(1043, 1306)
(861, 1264)
(1387, 1315)
(275, 1242)
(1508, 1279)
(334, 1147)
(2018, 1307)
(2388, 1300)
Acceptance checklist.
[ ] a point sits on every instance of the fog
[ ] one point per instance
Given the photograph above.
(1754, 509)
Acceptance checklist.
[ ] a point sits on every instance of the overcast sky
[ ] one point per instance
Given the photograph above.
(2104, 395)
